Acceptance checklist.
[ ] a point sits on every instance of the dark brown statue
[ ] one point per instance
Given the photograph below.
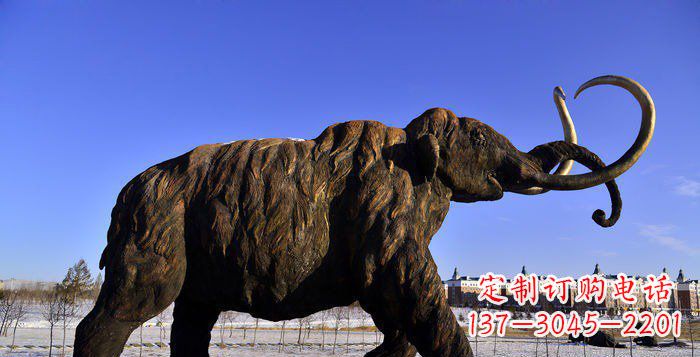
(283, 228)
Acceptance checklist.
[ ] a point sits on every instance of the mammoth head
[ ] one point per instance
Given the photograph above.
(477, 163)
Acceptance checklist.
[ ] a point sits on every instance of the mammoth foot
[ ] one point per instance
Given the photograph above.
(395, 345)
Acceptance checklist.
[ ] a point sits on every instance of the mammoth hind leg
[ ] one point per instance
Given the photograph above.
(100, 334)
(140, 282)
(191, 330)
(123, 305)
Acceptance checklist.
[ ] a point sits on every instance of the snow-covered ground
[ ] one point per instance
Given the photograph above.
(268, 344)
(33, 339)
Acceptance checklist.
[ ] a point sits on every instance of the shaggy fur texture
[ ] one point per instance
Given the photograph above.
(282, 229)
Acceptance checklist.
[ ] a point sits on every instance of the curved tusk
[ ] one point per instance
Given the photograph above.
(569, 136)
(628, 159)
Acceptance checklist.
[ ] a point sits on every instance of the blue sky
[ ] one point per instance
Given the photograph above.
(92, 93)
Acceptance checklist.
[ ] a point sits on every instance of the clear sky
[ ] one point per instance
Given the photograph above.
(94, 92)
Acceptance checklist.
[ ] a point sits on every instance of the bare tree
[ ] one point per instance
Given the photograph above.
(376, 333)
(303, 323)
(376, 336)
(3, 296)
(222, 328)
(690, 328)
(337, 314)
(8, 299)
(325, 314)
(255, 331)
(476, 307)
(232, 317)
(141, 340)
(50, 311)
(160, 322)
(281, 348)
(349, 312)
(96, 286)
(68, 309)
(308, 320)
(363, 317)
(20, 310)
(300, 323)
(76, 284)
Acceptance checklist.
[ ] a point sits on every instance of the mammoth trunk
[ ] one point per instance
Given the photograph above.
(550, 155)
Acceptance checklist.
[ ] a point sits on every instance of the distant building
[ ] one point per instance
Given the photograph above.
(462, 291)
(688, 294)
(16, 284)
(684, 296)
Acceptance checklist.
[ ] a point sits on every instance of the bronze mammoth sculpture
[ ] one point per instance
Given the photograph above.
(284, 228)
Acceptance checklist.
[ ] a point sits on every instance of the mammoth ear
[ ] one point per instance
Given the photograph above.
(427, 153)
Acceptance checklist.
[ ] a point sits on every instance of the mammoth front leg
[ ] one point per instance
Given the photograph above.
(409, 292)
(395, 342)
(191, 330)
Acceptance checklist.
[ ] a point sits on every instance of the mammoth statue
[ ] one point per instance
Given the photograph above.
(283, 228)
